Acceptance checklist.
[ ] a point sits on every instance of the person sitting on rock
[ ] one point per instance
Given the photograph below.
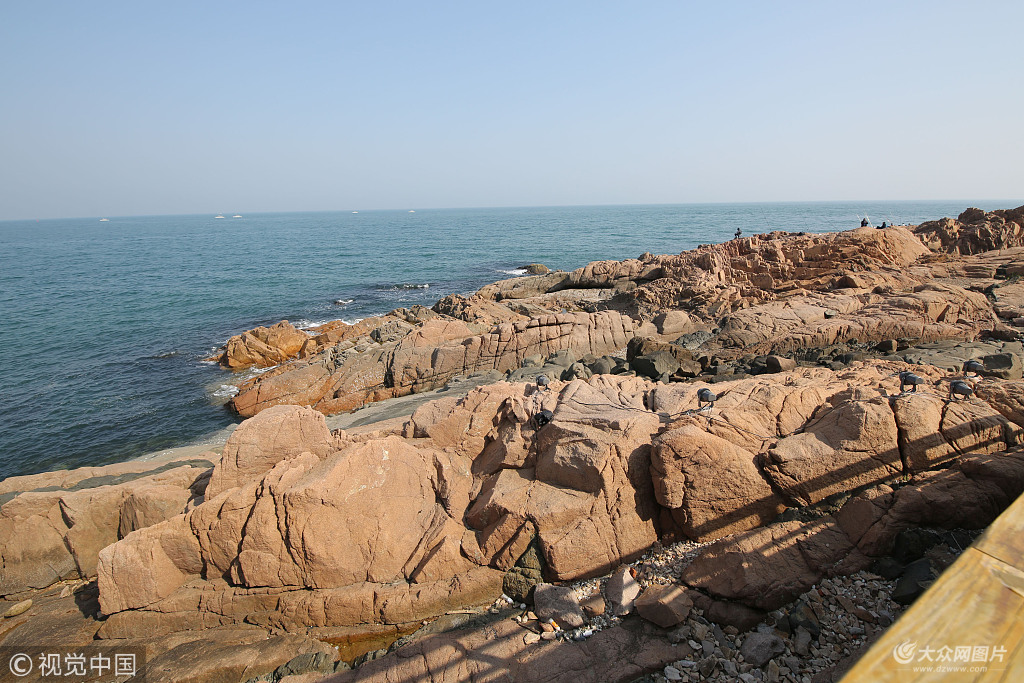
(883, 226)
(864, 222)
(739, 233)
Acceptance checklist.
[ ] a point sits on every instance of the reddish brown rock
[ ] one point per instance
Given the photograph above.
(338, 331)
(622, 590)
(590, 499)
(476, 309)
(1005, 397)
(616, 655)
(147, 566)
(521, 287)
(768, 567)
(426, 359)
(148, 505)
(107, 474)
(47, 536)
(665, 606)
(933, 431)
(853, 444)
(34, 554)
(263, 346)
(725, 613)
(974, 231)
(558, 603)
(342, 524)
(307, 526)
(466, 424)
(93, 519)
(260, 443)
(969, 495)
(926, 312)
(780, 364)
(228, 655)
(713, 487)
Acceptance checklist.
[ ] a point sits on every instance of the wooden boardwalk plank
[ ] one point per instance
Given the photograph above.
(977, 603)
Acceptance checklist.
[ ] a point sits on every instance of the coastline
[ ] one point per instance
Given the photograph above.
(123, 385)
(810, 486)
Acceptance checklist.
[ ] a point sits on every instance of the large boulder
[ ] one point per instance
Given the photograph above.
(933, 431)
(589, 498)
(48, 535)
(369, 532)
(851, 445)
(927, 312)
(968, 495)
(713, 487)
(263, 346)
(148, 565)
(769, 567)
(259, 443)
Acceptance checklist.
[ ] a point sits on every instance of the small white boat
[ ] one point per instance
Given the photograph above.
(412, 211)
(104, 220)
(355, 212)
(219, 216)
(236, 216)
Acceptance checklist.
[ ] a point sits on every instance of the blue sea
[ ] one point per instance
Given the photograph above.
(106, 325)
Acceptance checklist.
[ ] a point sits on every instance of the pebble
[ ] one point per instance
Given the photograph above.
(531, 638)
(672, 673)
(18, 608)
(707, 666)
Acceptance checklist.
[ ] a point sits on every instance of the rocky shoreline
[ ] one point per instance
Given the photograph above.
(723, 474)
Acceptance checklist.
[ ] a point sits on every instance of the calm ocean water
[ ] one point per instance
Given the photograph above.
(106, 324)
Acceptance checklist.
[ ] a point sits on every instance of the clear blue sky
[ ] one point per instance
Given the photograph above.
(120, 108)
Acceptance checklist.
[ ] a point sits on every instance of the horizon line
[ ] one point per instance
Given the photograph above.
(497, 208)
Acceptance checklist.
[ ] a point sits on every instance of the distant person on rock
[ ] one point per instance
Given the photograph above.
(863, 222)
(883, 226)
(739, 233)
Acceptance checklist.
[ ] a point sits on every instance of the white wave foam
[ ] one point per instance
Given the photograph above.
(248, 373)
(514, 271)
(343, 302)
(311, 325)
(305, 325)
(226, 391)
